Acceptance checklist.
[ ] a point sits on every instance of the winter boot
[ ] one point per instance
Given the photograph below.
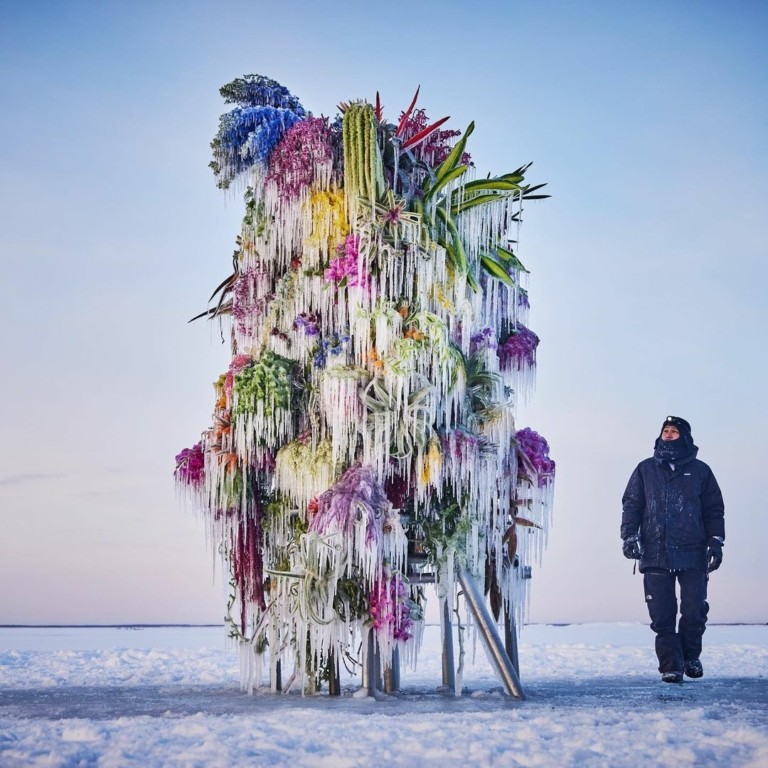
(672, 677)
(694, 669)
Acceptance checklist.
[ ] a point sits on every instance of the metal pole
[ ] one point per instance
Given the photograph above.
(510, 638)
(334, 680)
(369, 671)
(490, 635)
(392, 673)
(449, 670)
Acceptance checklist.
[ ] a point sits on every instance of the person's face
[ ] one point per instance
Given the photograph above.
(670, 433)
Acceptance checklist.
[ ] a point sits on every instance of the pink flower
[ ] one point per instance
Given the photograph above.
(389, 607)
(294, 161)
(346, 264)
(190, 466)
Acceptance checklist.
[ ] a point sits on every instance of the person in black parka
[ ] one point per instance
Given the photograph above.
(673, 523)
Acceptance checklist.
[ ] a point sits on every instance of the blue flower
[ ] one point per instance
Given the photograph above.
(247, 136)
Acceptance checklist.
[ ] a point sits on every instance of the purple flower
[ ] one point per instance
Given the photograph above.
(294, 161)
(190, 466)
(534, 451)
(518, 351)
(484, 339)
(356, 493)
(308, 321)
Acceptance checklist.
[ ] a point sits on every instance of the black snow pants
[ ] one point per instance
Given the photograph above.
(676, 644)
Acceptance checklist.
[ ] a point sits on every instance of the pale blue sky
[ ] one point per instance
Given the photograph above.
(648, 120)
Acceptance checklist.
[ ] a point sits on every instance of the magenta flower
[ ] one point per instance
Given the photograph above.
(345, 264)
(389, 607)
(190, 466)
(534, 451)
(294, 161)
(518, 351)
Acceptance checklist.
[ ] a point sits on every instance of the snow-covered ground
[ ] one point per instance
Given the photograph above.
(170, 697)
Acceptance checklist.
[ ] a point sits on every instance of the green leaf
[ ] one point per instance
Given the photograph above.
(458, 254)
(455, 155)
(431, 191)
(514, 178)
(500, 185)
(510, 259)
(465, 205)
(497, 270)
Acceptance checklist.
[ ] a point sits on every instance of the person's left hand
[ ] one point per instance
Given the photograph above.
(714, 554)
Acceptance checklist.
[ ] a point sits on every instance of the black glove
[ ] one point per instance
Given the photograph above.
(714, 554)
(631, 548)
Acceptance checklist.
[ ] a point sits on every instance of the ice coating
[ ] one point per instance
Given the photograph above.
(380, 347)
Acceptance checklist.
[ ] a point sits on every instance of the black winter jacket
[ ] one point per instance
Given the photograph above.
(674, 511)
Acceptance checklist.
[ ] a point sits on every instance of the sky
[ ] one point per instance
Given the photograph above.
(649, 263)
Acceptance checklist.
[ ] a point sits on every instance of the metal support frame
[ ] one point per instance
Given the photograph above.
(449, 668)
(496, 650)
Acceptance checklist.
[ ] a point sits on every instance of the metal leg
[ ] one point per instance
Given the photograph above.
(334, 681)
(369, 671)
(510, 639)
(392, 673)
(449, 670)
(490, 636)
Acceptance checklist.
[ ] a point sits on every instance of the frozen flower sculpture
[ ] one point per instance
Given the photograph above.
(366, 421)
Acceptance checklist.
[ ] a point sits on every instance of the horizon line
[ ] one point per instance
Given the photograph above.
(199, 626)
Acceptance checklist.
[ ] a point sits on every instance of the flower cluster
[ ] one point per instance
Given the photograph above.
(389, 607)
(267, 381)
(356, 495)
(345, 266)
(483, 339)
(245, 305)
(334, 346)
(246, 136)
(190, 466)
(518, 351)
(535, 450)
(239, 362)
(308, 322)
(437, 147)
(305, 149)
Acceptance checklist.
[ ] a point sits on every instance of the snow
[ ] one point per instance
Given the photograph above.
(171, 697)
